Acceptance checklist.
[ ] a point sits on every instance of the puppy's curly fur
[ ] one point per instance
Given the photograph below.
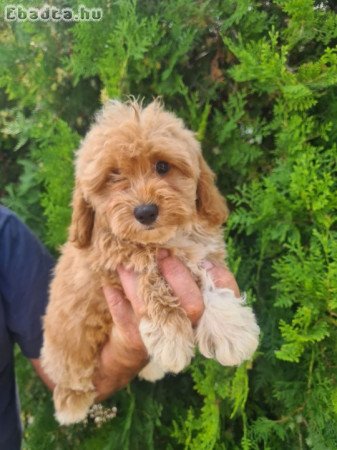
(141, 184)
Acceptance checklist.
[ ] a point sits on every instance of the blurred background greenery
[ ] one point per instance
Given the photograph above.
(257, 81)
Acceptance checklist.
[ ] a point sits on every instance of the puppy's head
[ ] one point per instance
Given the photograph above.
(140, 174)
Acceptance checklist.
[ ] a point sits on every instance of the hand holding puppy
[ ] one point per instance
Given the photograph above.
(124, 355)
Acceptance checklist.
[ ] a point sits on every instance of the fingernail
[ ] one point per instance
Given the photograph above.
(207, 265)
(162, 253)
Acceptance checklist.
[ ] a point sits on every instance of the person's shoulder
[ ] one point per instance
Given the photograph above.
(16, 236)
(5, 212)
(8, 217)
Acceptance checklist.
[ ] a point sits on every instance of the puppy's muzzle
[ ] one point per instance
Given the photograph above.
(146, 214)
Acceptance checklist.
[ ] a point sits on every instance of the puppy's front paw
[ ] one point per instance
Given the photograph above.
(227, 331)
(152, 372)
(72, 406)
(171, 344)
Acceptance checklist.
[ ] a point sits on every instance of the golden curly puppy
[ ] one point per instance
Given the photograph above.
(141, 184)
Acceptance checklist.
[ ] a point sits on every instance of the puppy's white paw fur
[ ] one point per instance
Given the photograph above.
(227, 331)
(68, 418)
(152, 372)
(170, 345)
(72, 406)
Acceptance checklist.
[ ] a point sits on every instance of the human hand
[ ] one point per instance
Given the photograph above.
(124, 355)
(185, 288)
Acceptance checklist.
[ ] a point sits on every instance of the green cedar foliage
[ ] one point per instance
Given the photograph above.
(257, 81)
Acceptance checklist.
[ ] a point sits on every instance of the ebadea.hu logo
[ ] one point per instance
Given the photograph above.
(19, 13)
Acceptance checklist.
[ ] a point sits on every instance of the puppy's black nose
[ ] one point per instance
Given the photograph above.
(146, 214)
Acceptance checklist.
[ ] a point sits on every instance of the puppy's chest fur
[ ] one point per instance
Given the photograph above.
(191, 247)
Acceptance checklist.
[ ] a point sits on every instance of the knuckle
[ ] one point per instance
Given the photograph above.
(114, 298)
(194, 311)
(140, 309)
(171, 268)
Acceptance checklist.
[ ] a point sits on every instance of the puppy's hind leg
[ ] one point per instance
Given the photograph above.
(74, 391)
(72, 406)
(71, 364)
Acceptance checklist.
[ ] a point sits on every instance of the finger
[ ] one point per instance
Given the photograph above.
(129, 280)
(125, 332)
(120, 309)
(222, 277)
(183, 286)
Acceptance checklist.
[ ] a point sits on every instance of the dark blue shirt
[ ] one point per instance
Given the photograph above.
(25, 268)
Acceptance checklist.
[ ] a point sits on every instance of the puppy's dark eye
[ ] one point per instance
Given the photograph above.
(162, 167)
(115, 176)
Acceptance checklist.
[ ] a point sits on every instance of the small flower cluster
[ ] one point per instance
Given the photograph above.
(100, 415)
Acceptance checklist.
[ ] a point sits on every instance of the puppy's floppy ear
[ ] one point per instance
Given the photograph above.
(211, 205)
(82, 220)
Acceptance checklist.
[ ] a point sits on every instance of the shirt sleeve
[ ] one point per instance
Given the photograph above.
(25, 271)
